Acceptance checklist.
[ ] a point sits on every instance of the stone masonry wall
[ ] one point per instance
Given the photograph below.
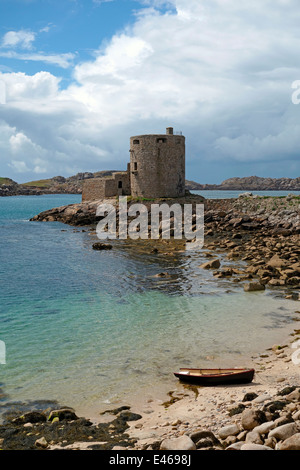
(157, 165)
(124, 179)
(95, 188)
(156, 170)
(100, 188)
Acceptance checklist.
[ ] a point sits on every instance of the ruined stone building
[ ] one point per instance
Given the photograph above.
(156, 170)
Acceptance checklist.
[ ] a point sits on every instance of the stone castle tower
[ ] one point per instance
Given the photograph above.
(156, 170)
(157, 165)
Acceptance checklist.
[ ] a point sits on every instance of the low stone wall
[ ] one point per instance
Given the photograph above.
(93, 189)
(101, 188)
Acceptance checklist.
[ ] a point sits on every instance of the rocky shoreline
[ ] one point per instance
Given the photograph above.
(60, 428)
(254, 183)
(263, 233)
(263, 415)
(74, 184)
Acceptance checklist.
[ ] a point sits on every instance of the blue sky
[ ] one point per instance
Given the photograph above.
(68, 31)
(79, 77)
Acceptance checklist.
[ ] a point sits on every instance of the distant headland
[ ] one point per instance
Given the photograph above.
(74, 184)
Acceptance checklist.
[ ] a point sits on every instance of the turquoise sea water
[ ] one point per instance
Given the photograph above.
(90, 328)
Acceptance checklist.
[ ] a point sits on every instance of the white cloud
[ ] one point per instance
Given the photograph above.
(2, 93)
(123, 54)
(19, 166)
(19, 45)
(61, 60)
(21, 88)
(220, 71)
(47, 28)
(22, 39)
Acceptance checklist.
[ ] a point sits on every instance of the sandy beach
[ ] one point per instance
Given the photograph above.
(208, 408)
(214, 417)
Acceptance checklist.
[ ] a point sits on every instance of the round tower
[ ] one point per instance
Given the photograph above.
(157, 165)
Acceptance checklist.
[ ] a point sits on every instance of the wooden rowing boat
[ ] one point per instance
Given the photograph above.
(215, 376)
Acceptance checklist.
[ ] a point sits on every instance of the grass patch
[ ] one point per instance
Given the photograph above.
(6, 181)
(38, 184)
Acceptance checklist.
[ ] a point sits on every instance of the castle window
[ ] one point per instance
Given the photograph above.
(161, 140)
(135, 166)
(120, 184)
(136, 142)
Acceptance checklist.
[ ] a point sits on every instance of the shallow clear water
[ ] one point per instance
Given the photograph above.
(87, 328)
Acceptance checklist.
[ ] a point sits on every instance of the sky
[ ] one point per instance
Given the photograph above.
(78, 78)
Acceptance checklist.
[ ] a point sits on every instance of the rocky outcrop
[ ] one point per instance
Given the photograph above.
(262, 233)
(9, 187)
(74, 214)
(262, 423)
(214, 264)
(281, 214)
(253, 183)
(85, 213)
(261, 184)
(60, 429)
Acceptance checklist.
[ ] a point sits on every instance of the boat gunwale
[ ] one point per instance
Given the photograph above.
(222, 372)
